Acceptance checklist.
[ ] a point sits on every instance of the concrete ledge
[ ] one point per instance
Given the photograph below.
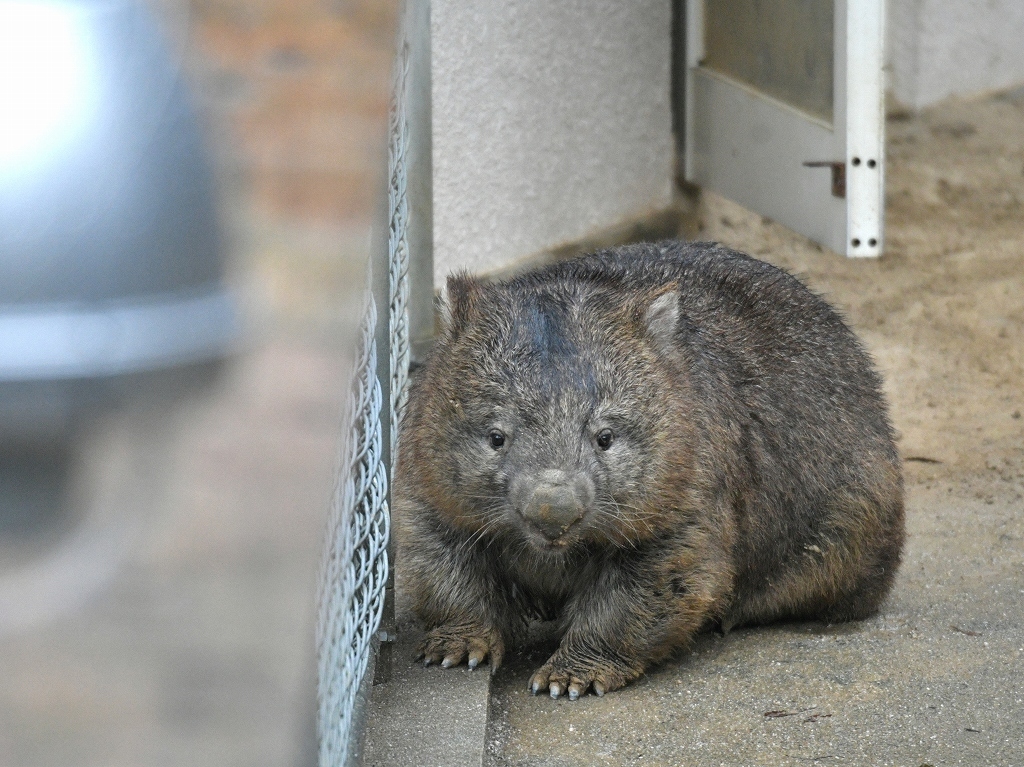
(427, 717)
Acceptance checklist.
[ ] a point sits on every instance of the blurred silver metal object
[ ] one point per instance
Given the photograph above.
(110, 256)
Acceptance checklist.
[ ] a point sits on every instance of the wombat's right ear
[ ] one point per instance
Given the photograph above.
(662, 317)
(459, 302)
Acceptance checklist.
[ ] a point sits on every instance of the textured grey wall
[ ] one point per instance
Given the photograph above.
(938, 48)
(551, 121)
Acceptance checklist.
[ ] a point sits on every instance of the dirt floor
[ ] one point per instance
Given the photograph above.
(937, 677)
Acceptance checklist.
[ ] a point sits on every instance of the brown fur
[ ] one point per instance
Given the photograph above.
(750, 474)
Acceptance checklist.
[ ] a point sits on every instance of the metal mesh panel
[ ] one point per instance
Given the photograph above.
(398, 243)
(355, 565)
(354, 571)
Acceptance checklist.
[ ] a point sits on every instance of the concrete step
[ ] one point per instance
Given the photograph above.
(427, 717)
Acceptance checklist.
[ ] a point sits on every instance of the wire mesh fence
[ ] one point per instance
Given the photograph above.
(355, 563)
(355, 567)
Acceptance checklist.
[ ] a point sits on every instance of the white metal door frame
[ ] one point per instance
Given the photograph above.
(823, 180)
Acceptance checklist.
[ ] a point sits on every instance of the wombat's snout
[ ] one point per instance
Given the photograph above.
(553, 501)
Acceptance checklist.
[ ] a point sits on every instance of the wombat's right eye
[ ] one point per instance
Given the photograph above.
(605, 438)
(497, 438)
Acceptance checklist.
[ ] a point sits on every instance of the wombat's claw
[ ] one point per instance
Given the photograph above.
(449, 647)
(477, 656)
(574, 691)
(573, 680)
(557, 688)
(431, 659)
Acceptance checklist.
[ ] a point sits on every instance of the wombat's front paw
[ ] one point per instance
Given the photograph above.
(451, 644)
(566, 674)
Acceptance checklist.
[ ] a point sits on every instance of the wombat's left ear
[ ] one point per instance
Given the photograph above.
(662, 317)
(458, 302)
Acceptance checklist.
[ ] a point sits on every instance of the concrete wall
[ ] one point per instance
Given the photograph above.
(938, 48)
(551, 120)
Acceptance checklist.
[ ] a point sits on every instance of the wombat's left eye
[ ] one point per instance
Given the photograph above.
(496, 438)
(605, 438)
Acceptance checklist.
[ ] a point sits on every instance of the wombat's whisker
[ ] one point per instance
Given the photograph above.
(633, 522)
(488, 526)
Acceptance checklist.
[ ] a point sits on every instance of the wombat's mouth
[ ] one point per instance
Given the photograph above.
(552, 538)
(550, 549)
(552, 545)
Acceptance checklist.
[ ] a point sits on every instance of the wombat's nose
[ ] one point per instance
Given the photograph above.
(554, 507)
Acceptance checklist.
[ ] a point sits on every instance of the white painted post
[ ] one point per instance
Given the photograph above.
(865, 127)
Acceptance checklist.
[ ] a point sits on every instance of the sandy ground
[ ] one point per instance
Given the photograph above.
(943, 311)
(938, 676)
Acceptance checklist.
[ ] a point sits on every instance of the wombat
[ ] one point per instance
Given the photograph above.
(641, 442)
